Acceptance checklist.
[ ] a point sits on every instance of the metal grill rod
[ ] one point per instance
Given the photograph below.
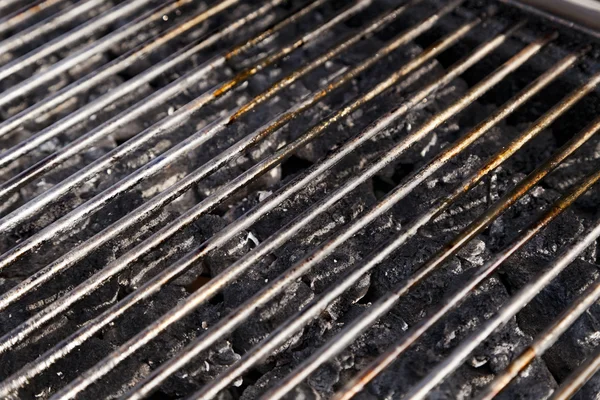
(33, 142)
(25, 87)
(571, 314)
(483, 273)
(51, 103)
(166, 125)
(10, 4)
(23, 14)
(179, 117)
(144, 105)
(591, 365)
(278, 285)
(157, 98)
(132, 113)
(518, 301)
(187, 218)
(549, 336)
(94, 25)
(50, 24)
(155, 283)
(352, 330)
(87, 82)
(180, 187)
(154, 166)
(321, 302)
(389, 356)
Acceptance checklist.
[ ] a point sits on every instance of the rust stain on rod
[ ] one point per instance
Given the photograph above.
(121, 307)
(300, 319)
(234, 319)
(11, 220)
(158, 326)
(358, 383)
(22, 16)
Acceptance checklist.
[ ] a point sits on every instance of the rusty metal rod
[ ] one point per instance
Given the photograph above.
(414, 333)
(50, 104)
(348, 334)
(172, 155)
(150, 287)
(121, 11)
(514, 305)
(44, 27)
(321, 302)
(549, 336)
(22, 15)
(146, 290)
(590, 366)
(180, 187)
(62, 97)
(275, 287)
(578, 378)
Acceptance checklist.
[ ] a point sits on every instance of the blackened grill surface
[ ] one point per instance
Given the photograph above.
(39, 234)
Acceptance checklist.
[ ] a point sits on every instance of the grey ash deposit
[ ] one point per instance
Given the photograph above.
(489, 359)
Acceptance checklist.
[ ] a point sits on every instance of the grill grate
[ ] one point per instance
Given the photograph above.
(134, 135)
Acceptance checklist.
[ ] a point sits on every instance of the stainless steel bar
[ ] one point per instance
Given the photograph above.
(136, 216)
(275, 287)
(548, 337)
(20, 16)
(155, 283)
(177, 189)
(25, 87)
(166, 125)
(292, 324)
(447, 304)
(120, 11)
(46, 26)
(514, 305)
(194, 213)
(10, 4)
(591, 365)
(321, 302)
(592, 33)
(176, 119)
(347, 335)
(583, 12)
(51, 103)
(128, 115)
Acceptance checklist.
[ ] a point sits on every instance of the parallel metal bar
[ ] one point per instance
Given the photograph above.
(414, 333)
(126, 116)
(179, 188)
(549, 336)
(519, 5)
(321, 302)
(484, 272)
(180, 150)
(155, 283)
(10, 4)
(234, 319)
(584, 13)
(23, 15)
(34, 32)
(591, 365)
(348, 334)
(74, 35)
(51, 103)
(177, 152)
(23, 88)
(517, 302)
(540, 344)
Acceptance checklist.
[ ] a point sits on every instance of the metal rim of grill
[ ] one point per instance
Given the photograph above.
(26, 27)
